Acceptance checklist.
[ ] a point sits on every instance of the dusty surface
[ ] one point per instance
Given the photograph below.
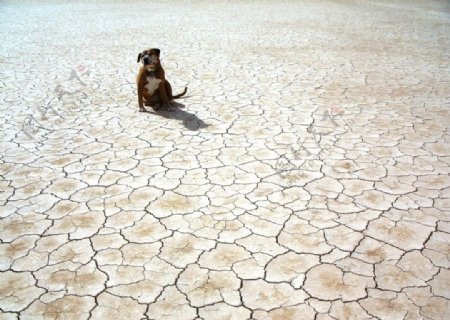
(306, 177)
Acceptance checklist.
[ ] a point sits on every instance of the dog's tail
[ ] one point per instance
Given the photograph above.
(181, 94)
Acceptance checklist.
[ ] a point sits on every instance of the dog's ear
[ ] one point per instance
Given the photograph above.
(157, 51)
(139, 57)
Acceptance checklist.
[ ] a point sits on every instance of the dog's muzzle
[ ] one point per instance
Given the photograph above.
(146, 60)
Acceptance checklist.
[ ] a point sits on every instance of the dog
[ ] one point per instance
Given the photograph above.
(153, 88)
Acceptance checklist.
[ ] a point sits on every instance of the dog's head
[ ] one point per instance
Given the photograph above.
(150, 59)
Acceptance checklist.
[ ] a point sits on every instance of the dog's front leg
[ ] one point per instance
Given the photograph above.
(141, 99)
(140, 82)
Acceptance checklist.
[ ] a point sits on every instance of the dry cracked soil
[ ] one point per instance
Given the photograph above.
(306, 176)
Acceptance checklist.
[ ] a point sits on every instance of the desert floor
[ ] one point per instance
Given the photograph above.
(306, 176)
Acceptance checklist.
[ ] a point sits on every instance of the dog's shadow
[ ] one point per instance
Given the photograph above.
(190, 120)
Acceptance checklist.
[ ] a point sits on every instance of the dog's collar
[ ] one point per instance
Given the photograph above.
(151, 74)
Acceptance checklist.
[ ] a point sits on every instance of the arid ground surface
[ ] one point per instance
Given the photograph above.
(306, 176)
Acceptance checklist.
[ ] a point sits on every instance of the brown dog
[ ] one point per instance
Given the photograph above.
(153, 88)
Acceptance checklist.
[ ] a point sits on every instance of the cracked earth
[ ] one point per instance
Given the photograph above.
(306, 176)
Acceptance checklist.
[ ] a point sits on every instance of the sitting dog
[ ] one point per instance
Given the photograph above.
(153, 88)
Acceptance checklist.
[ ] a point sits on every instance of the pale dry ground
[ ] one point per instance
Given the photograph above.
(307, 176)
